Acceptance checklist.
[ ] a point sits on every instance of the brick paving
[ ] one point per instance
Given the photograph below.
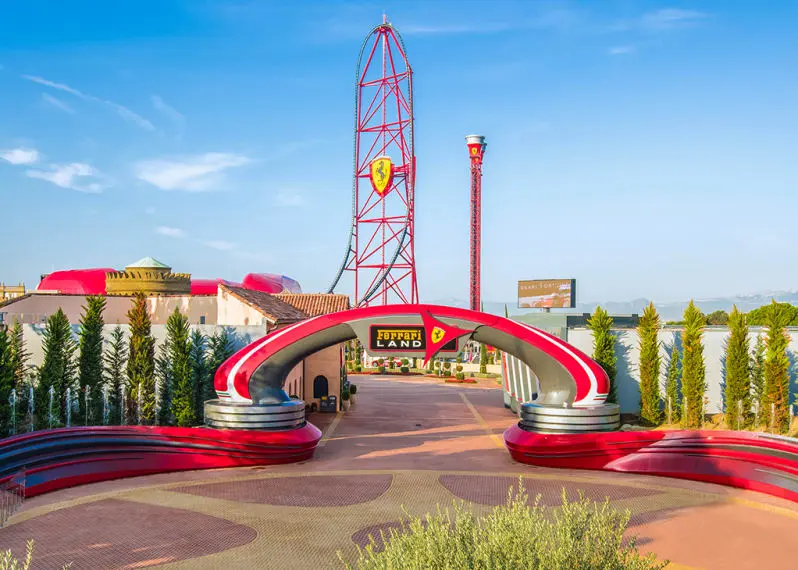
(405, 446)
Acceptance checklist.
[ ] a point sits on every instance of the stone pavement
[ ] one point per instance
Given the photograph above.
(405, 446)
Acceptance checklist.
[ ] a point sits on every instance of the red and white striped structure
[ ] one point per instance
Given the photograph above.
(380, 253)
(566, 374)
(476, 151)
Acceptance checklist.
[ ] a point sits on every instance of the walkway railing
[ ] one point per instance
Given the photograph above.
(12, 495)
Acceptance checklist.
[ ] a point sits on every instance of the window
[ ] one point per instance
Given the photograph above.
(202, 320)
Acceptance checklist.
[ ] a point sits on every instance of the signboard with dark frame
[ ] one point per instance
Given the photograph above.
(402, 338)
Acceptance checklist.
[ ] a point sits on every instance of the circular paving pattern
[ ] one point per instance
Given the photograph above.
(489, 490)
(308, 491)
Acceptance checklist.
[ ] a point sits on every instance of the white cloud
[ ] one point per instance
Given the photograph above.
(57, 103)
(170, 232)
(71, 176)
(121, 110)
(290, 200)
(20, 155)
(192, 174)
(220, 245)
(169, 111)
(671, 18)
(621, 50)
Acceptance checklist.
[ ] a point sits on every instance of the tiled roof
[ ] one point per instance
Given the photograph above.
(271, 306)
(315, 304)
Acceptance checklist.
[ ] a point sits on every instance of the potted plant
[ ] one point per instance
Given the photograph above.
(345, 403)
(352, 392)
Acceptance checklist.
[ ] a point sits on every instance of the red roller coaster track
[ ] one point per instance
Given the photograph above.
(380, 251)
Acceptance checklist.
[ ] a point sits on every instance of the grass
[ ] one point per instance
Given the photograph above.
(8, 562)
(580, 535)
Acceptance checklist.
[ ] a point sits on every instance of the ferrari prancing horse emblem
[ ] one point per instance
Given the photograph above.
(381, 174)
(437, 335)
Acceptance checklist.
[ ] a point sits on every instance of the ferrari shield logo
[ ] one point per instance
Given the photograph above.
(474, 150)
(381, 174)
(437, 335)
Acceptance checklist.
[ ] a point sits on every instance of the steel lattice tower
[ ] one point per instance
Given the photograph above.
(380, 253)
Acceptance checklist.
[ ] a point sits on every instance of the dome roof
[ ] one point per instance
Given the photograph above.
(148, 263)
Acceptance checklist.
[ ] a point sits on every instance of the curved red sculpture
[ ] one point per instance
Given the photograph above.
(257, 371)
(753, 461)
(66, 457)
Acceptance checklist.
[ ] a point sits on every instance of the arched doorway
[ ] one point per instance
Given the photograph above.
(320, 387)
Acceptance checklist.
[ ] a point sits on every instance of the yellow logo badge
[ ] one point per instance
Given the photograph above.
(381, 174)
(474, 150)
(437, 335)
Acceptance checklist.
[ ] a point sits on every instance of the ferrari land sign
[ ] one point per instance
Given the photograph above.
(405, 338)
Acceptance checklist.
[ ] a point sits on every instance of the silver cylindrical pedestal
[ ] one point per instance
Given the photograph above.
(239, 415)
(553, 419)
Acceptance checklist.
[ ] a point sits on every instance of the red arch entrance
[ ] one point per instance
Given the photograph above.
(257, 372)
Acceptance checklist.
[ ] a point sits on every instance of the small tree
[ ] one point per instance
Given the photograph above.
(6, 383)
(738, 373)
(673, 386)
(115, 359)
(18, 354)
(718, 318)
(694, 370)
(758, 395)
(483, 359)
(600, 322)
(183, 397)
(163, 383)
(90, 361)
(141, 362)
(648, 330)
(777, 368)
(200, 377)
(221, 348)
(57, 370)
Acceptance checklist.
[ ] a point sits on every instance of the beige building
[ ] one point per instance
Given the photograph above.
(11, 291)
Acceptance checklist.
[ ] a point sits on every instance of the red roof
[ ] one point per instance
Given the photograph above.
(92, 282)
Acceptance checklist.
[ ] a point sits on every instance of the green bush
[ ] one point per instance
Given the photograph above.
(460, 375)
(391, 363)
(405, 362)
(353, 389)
(459, 368)
(8, 562)
(358, 368)
(404, 369)
(345, 394)
(380, 369)
(580, 535)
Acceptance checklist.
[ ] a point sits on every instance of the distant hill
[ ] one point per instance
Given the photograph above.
(668, 311)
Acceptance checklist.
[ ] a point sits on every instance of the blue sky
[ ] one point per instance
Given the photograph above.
(647, 149)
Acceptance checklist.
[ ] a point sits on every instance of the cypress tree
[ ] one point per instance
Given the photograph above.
(758, 382)
(18, 354)
(6, 382)
(777, 369)
(220, 348)
(183, 396)
(648, 330)
(141, 363)
(738, 373)
(600, 323)
(673, 386)
(115, 359)
(57, 369)
(163, 379)
(90, 361)
(483, 359)
(693, 368)
(200, 377)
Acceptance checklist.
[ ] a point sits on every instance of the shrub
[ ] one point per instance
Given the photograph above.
(380, 369)
(647, 330)
(345, 394)
(405, 362)
(353, 389)
(8, 562)
(459, 375)
(404, 369)
(358, 368)
(391, 363)
(582, 534)
(459, 368)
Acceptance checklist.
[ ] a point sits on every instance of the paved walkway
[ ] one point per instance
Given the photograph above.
(404, 445)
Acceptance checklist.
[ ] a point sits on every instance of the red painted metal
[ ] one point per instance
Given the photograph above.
(753, 461)
(476, 151)
(66, 457)
(233, 376)
(380, 255)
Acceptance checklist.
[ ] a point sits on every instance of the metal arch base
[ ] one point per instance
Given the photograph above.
(67, 457)
(577, 419)
(237, 415)
(753, 461)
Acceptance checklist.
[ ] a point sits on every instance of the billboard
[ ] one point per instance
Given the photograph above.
(547, 294)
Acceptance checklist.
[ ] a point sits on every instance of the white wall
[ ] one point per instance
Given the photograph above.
(628, 353)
